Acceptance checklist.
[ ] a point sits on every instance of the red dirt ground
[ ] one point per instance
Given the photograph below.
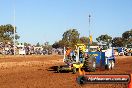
(36, 72)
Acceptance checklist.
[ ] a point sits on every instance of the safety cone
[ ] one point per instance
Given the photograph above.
(81, 72)
(130, 84)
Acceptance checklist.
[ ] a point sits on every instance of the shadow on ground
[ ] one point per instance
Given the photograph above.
(54, 69)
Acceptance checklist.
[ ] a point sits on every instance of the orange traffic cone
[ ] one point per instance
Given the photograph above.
(130, 84)
(81, 72)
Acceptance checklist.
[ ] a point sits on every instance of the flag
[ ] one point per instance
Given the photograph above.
(90, 38)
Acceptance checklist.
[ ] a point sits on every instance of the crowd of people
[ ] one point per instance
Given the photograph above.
(20, 49)
(6, 48)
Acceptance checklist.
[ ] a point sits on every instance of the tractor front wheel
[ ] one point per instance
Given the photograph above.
(74, 70)
(58, 69)
(90, 64)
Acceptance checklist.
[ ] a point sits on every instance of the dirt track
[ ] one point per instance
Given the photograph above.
(35, 72)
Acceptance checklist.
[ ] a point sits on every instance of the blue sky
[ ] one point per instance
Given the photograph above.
(47, 20)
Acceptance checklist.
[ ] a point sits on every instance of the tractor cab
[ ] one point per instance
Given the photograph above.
(76, 55)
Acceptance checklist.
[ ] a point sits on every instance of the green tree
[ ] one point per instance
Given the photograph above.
(70, 38)
(26, 44)
(38, 45)
(94, 44)
(104, 38)
(117, 42)
(46, 43)
(47, 46)
(56, 45)
(127, 36)
(7, 33)
(84, 40)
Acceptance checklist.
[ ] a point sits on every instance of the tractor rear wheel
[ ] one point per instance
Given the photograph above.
(90, 64)
(110, 65)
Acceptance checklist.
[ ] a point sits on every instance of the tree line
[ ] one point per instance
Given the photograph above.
(7, 33)
(71, 37)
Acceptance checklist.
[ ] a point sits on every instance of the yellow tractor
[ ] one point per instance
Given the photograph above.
(74, 59)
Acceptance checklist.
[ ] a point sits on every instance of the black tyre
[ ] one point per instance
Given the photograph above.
(110, 65)
(74, 70)
(90, 64)
(58, 69)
